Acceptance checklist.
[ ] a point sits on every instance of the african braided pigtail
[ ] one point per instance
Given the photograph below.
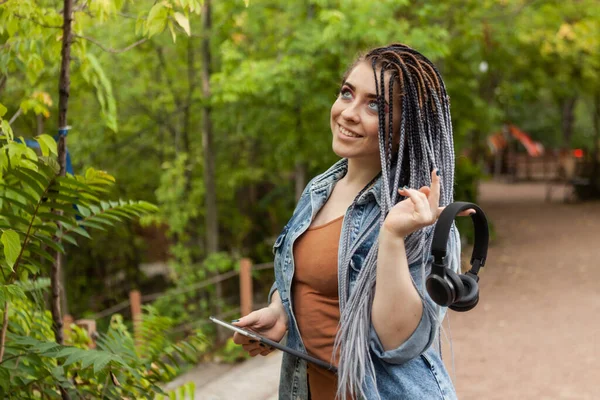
(424, 141)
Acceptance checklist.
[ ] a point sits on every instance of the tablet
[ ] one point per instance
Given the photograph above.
(262, 339)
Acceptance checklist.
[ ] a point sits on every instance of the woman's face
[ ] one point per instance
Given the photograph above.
(354, 115)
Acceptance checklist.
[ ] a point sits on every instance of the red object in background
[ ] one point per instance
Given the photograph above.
(499, 140)
(578, 153)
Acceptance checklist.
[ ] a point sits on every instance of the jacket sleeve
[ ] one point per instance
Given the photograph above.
(273, 289)
(433, 314)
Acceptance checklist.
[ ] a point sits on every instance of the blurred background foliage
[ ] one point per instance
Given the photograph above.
(138, 107)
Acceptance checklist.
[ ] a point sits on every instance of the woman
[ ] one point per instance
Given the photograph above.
(350, 265)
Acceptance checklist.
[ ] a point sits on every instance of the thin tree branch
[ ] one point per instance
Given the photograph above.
(130, 16)
(109, 50)
(14, 117)
(37, 22)
(3, 81)
(3, 332)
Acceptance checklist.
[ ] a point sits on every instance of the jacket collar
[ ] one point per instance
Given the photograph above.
(336, 172)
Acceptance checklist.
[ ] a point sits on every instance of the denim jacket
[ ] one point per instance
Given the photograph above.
(414, 370)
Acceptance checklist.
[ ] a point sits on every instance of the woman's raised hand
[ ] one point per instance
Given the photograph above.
(270, 322)
(418, 210)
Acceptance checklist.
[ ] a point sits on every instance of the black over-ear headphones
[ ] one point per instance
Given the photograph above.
(446, 287)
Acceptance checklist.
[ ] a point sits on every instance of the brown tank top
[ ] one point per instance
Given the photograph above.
(316, 302)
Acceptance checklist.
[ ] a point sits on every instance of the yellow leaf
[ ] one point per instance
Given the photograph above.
(42, 97)
(566, 32)
(184, 22)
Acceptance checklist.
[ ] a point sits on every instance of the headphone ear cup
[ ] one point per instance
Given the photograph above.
(439, 290)
(470, 296)
(457, 284)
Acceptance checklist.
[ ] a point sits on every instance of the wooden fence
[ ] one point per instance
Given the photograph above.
(136, 299)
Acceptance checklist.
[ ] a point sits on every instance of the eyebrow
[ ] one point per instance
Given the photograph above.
(369, 95)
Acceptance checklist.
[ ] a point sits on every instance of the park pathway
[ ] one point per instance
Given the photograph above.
(536, 331)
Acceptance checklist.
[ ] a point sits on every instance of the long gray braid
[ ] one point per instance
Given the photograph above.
(425, 142)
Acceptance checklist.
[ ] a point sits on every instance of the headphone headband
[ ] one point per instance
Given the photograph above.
(442, 230)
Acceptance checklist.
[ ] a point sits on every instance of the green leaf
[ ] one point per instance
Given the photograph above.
(184, 22)
(55, 217)
(31, 183)
(101, 362)
(81, 232)
(40, 252)
(12, 246)
(74, 357)
(66, 208)
(84, 211)
(92, 225)
(69, 239)
(2, 110)
(50, 243)
(21, 193)
(7, 130)
(157, 19)
(14, 202)
(15, 220)
(47, 144)
(65, 352)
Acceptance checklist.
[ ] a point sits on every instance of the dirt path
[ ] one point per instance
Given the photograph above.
(536, 331)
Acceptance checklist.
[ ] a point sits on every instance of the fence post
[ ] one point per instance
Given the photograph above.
(245, 286)
(89, 325)
(67, 321)
(135, 300)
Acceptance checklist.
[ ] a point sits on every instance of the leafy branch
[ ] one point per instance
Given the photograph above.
(109, 50)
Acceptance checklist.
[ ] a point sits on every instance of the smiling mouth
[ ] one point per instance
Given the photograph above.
(348, 133)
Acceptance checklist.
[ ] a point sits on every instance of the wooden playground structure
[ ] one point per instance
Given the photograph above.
(556, 167)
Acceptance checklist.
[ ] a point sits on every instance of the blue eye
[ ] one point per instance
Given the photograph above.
(345, 94)
(373, 105)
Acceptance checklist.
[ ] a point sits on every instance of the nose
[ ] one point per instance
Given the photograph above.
(350, 113)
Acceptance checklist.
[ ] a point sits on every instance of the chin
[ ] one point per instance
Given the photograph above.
(340, 150)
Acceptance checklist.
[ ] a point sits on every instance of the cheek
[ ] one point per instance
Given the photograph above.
(336, 110)
(372, 127)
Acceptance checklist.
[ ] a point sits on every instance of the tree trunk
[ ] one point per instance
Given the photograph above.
(212, 227)
(63, 100)
(300, 167)
(187, 114)
(568, 118)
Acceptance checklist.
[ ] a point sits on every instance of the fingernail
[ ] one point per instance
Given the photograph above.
(437, 172)
(235, 320)
(405, 188)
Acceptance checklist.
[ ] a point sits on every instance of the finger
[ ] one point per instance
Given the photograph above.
(265, 346)
(418, 199)
(426, 190)
(248, 320)
(240, 339)
(265, 352)
(251, 347)
(464, 213)
(434, 197)
(255, 352)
